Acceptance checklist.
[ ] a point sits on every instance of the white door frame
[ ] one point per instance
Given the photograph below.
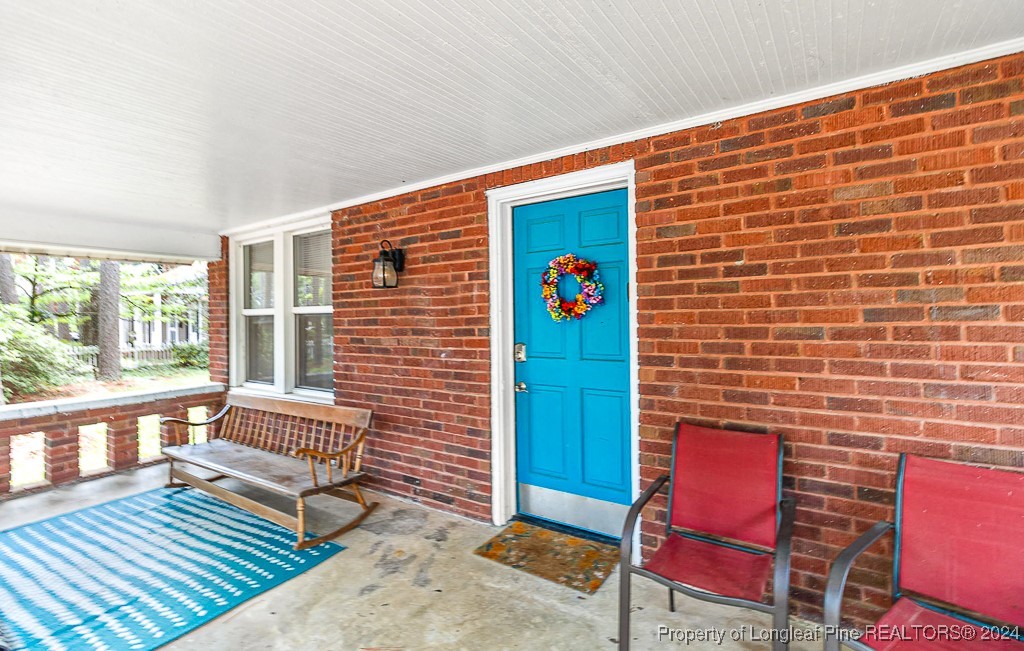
(500, 202)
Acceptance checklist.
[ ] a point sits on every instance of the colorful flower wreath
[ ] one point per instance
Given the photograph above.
(591, 289)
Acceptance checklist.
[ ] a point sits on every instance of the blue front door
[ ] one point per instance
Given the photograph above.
(573, 407)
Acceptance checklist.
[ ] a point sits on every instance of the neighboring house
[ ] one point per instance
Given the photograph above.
(157, 331)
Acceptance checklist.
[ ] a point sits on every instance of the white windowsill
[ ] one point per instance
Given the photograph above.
(314, 397)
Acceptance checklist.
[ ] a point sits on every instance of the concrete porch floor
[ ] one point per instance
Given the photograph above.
(409, 580)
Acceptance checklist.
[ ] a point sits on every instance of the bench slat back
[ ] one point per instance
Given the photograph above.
(283, 426)
(960, 531)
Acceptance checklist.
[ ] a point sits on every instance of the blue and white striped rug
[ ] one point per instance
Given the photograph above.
(139, 572)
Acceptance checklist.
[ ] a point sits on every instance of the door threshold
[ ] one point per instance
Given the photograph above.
(567, 529)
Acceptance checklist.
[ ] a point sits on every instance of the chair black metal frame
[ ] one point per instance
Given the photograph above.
(779, 608)
(840, 571)
(837, 585)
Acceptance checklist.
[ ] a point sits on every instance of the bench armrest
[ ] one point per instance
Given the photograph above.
(331, 456)
(208, 421)
(319, 455)
(837, 580)
(342, 458)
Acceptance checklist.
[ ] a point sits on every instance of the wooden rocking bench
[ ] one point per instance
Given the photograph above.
(291, 448)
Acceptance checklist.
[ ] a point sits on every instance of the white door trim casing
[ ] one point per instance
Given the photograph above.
(500, 202)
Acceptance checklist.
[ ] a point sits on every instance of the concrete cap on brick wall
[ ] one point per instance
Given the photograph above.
(74, 405)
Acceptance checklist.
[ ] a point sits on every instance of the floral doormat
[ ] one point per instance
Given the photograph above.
(573, 562)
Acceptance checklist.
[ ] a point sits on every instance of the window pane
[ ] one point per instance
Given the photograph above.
(313, 269)
(314, 336)
(259, 275)
(259, 347)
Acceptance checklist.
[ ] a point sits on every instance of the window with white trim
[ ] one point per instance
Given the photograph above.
(283, 331)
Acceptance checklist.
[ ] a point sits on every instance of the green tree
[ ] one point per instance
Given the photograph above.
(54, 288)
(180, 293)
(8, 296)
(31, 359)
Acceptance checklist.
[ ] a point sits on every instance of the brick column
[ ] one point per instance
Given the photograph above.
(212, 409)
(173, 434)
(122, 443)
(217, 327)
(61, 454)
(5, 464)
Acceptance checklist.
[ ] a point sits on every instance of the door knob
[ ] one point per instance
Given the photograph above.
(521, 387)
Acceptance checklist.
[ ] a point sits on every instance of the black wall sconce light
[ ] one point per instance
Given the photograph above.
(386, 266)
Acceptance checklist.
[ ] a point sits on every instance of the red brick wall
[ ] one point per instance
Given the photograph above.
(217, 329)
(61, 434)
(846, 272)
(419, 354)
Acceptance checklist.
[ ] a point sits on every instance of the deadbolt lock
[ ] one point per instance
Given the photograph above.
(519, 352)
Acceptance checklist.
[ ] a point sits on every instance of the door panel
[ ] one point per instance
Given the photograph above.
(546, 234)
(605, 450)
(601, 226)
(573, 422)
(596, 326)
(544, 339)
(547, 411)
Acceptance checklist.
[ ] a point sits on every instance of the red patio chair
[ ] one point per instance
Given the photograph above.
(958, 561)
(728, 527)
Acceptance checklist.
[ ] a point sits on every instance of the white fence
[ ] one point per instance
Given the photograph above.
(130, 357)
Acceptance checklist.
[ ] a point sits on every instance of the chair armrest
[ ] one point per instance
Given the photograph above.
(626, 546)
(783, 545)
(784, 534)
(208, 421)
(837, 580)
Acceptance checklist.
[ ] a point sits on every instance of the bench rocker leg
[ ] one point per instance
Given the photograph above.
(352, 496)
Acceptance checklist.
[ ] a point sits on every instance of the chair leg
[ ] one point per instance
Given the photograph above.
(671, 600)
(624, 598)
(170, 478)
(300, 528)
(780, 622)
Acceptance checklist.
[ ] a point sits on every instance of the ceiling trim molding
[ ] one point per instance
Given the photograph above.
(294, 222)
(862, 82)
(94, 237)
(97, 253)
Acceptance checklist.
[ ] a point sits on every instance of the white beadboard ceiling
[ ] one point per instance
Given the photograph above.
(150, 126)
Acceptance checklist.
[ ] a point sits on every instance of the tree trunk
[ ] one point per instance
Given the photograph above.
(8, 296)
(8, 290)
(109, 318)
